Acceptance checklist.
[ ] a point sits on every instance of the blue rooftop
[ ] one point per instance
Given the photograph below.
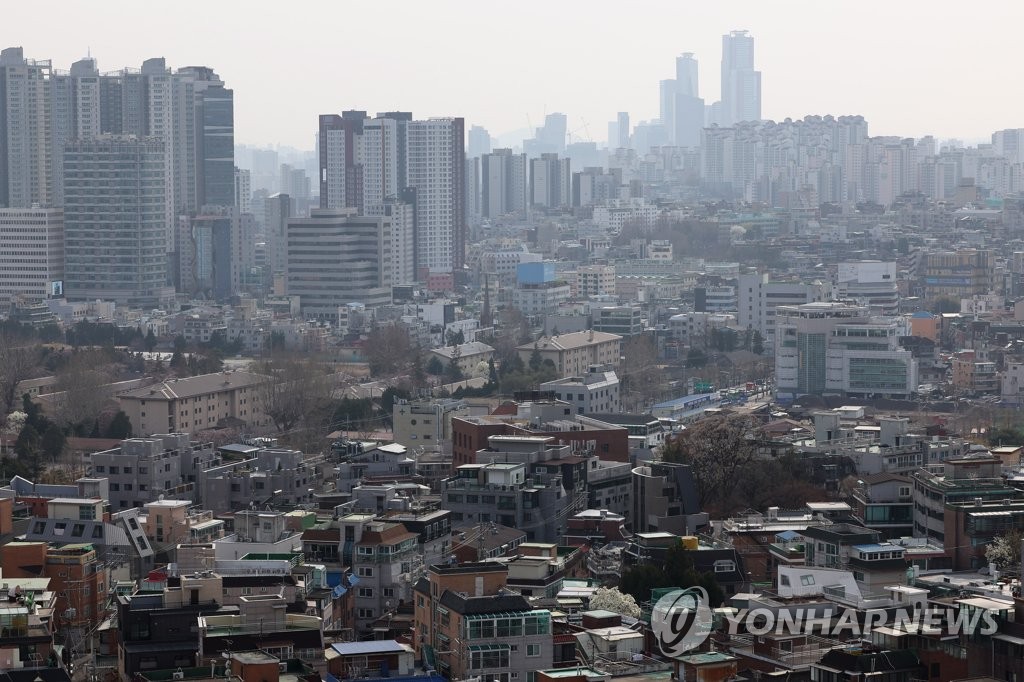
(686, 400)
(876, 548)
(381, 646)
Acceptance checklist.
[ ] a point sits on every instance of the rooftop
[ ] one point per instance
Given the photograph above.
(189, 387)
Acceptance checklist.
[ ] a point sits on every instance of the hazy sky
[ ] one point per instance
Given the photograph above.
(912, 68)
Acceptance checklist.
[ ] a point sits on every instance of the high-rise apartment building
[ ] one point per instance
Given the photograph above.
(550, 181)
(436, 171)
(215, 252)
(31, 253)
(75, 113)
(758, 297)
(503, 183)
(336, 257)
(115, 220)
(243, 190)
(402, 237)
(339, 178)
(25, 144)
(741, 84)
(277, 210)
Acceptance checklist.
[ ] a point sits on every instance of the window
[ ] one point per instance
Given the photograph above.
(100, 469)
(114, 470)
(127, 470)
(364, 613)
(532, 650)
(365, 551)
(86, 512)
(365, 571)
(388, 591)
(807, 580)
(725, 566)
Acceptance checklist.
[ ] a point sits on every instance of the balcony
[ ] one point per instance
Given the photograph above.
(794, 657)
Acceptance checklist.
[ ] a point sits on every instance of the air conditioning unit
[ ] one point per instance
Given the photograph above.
(282, 667)
(178, 675)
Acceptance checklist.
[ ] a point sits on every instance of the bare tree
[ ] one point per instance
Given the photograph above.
(388, 350)
(83, 381)
(717, 450)
(642, 376)
(18, 359)
(296, 387)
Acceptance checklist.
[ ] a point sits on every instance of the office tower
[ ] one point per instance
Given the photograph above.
(31, 253)
(622, 126)
(243, 190)
(338, 141)
(741, 84)
(402, 237)
(215, 136)
(336, 257)
(549, 138)
(1009, 144)
(75, 113)
(436, 171)
(115, 220)
(758, 297)
(503, 183)
(277, 210)
(479, 142)
(688, 108)
(682, 109)
(209, 253)
(838, 348)
(686, 75)
(25, 142)
(550, 181)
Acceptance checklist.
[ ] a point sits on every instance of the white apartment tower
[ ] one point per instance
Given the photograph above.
(436, 171)
(25, 143)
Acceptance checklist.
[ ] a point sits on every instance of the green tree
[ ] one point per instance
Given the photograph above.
(150, 342)
(696, 358)
(120, 426)
(52, 442)
(492, 372)
(536, 359)
(757, 343)
(435, 366)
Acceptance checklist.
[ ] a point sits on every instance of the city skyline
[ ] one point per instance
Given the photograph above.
(905, 82)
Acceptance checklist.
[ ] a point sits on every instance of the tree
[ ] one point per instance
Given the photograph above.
(696, 358)
(536, 359)
(455, 338)
(150, 342)
(610, 599)
(1004, 551)
(52, 442)
(120, 426)
(180, 344)
(717, 450)
(434, 366)
(83, 380)
(388, 350)
(757, 344)
(492, 372)
(18, 358)
(642, 378)
(296, 390)
(676, 571)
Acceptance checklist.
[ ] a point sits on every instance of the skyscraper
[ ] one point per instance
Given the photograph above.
(622, 122)
(115, 220)
(339, 177)
(75, 113)
(682, 109)
(741, 84)
(479, 142)
(550, 181)
(25, 143)
(503, 183)
(436, 170)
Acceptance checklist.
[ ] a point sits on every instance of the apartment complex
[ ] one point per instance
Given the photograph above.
(31, 253)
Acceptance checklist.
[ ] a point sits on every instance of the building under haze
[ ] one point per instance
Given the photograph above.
(24, 130)
(550, 182)
(116, 220)
(337, 257)
(436, 172)
(741, 83)
(503, 183)
(31, 253)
